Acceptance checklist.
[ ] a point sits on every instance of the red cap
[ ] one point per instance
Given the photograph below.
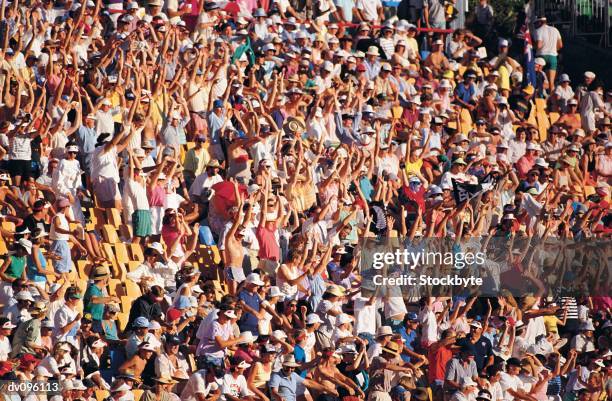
(361, 68)
(173, 314)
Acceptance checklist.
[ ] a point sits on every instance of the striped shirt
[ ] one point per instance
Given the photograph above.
(571, 305)
(19, 147)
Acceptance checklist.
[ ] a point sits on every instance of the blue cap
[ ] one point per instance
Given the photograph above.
(141, 323)
(240, 134)
(65, 97)
(411, 316)
(217, 104)
(183, 302)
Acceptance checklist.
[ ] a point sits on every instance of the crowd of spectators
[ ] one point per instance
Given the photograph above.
(242, 152)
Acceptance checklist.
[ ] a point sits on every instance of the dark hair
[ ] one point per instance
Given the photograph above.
(492, 370)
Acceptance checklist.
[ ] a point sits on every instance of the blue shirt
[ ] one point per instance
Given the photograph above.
(286, 385)
(300, 357)
(32, 272)
(317, 289)
(366, 188)
(215, 123)
(408, 341)
(248, 321)
(86, 139)
(464, 93)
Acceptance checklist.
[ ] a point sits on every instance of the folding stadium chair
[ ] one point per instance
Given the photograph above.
(115, 287)
(543, 124)
(136, 251)
(132, 289)
(125, 231)
(540, 105)
(133, 265)
(99, 215)
(121, 253)
(114, 217)
(84, 268)
(126, 303)
(122, 319)
(109, 233)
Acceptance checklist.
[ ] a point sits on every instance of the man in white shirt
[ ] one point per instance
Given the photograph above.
(105, 170)
(202, 385)
(105, 117)
(548, 43)
(510, 381)
(370, 10)
(201, 188)
(68, 318)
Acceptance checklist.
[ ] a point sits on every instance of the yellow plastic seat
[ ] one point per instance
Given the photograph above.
(121, 253)
(125, 231)
(133, 265)
(109, 233)
(136, 251)
(114, 217)
(132, 289)
(126, 303)
(84, 269)
(122, 320)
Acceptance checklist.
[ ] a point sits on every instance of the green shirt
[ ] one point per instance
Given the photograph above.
(96, 310)
(27, 333)
(15, 269)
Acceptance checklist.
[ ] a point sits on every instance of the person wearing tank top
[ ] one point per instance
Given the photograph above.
(60, 235)
(157, 200)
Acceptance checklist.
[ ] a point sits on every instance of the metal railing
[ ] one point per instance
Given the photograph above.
(589, 19)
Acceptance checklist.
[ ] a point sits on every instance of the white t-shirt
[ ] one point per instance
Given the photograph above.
(62, 318)
(509, 382)
(365, 316)
(236, 387)
(430, 326)
(105, 122)
(5, 348)
(104, 164)
(197, 385)
(369, 8)
(549, 36)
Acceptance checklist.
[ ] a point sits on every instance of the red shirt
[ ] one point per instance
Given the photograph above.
(437, 363)
(268, 247)
(523, 165)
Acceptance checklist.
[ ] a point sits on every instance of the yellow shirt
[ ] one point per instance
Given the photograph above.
(413, 44)
(414, 168)
(550, 322)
